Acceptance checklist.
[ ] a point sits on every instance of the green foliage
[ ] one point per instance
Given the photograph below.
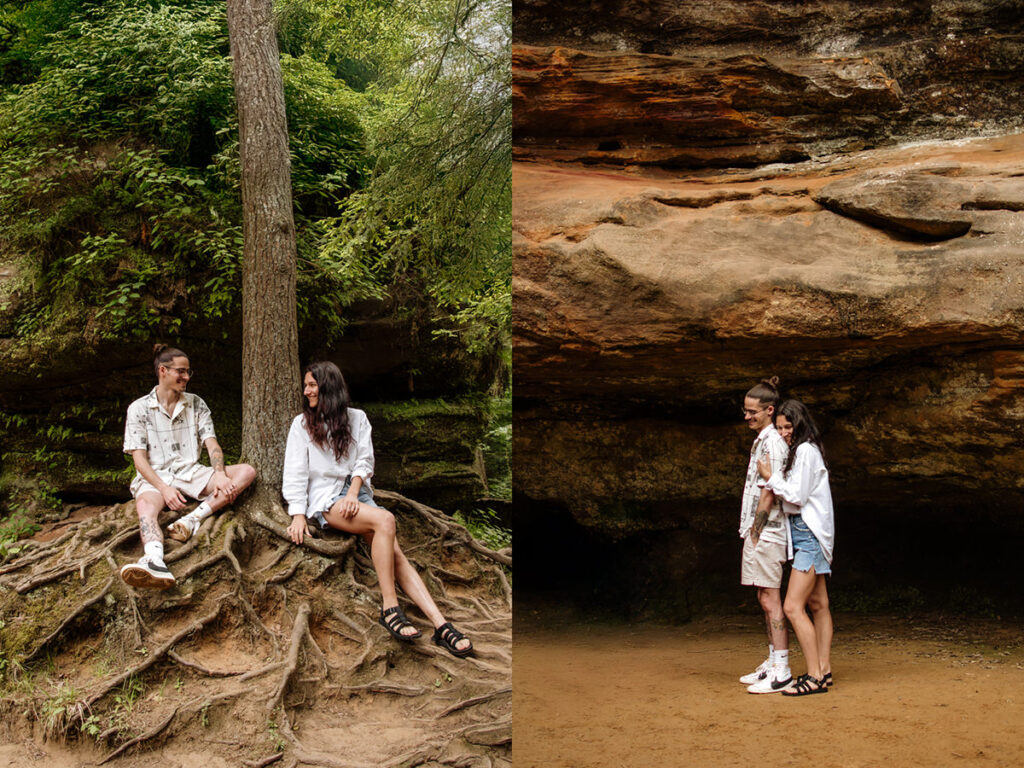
(61, 710)
(485, 526)
(497, 446)
(124, 702)
(119, 165)
(434, 219)
(14, 529)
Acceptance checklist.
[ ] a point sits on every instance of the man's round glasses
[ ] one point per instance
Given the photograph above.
(180, 371)
(748, 412)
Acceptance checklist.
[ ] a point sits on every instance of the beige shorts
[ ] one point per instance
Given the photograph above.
(762, 565)
(192, 488)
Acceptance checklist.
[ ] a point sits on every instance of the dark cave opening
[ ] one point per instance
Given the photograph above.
(912, 561)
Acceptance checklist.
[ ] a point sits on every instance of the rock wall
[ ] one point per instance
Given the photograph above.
(707, 194)
(62, 406)
(744, 83)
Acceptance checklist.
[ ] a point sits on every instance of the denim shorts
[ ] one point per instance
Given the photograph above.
(365, 496)
(806, 549)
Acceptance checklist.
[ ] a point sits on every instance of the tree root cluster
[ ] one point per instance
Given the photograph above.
(261, 645)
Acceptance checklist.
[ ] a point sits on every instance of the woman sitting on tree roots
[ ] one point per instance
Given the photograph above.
(328, 464)
(802, 483)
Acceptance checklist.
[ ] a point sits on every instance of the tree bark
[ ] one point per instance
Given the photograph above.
(270, 348)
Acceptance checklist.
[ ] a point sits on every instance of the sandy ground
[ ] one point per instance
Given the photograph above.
(30, 754)
(907, 693)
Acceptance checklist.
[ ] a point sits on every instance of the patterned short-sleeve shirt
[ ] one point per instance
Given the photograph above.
(173, 441)
(767, 443)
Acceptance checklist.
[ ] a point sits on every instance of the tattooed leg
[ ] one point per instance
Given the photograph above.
(148, 506)
(775, 619)
(149, 531)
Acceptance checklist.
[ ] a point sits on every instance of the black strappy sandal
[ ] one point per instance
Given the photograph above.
(802, 686)
(448, 636)
(827, 679)
(394, 621)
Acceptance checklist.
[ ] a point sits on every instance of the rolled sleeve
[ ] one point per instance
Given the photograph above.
(136, 432)
(803, 477)
(776, 451)
(204, 421)
(363, 464)
(295, 480)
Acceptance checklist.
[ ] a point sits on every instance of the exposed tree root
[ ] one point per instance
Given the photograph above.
(448, 527)
(475, 700)
(42, 551)
(139, 739)
(264, 762)
(153, 657)
(199, 667)
(320, 546)
(45, 642)
(299, 630)
(129, 659)
(59, 572)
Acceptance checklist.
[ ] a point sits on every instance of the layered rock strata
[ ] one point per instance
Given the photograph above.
(885, 288)
(744, 83)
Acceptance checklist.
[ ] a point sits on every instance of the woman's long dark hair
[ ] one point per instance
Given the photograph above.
(804, 430)
(328, 422)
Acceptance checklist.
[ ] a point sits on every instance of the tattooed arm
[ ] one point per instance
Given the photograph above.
(222, 484)
(764, 507)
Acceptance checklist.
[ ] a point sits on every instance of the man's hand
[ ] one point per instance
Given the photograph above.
(224, 486)
(173, 498)
(297, 528)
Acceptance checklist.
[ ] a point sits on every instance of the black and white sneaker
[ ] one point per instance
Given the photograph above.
(758, 674)
(147, 575)
(772, 683)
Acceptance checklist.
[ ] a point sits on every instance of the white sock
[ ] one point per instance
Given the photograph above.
(154, 551)
(780, 660)
(771, 652)
(201, 512)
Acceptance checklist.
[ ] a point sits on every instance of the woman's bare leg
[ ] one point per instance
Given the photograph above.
(800, 586)
(818, 603)
(412, 584)
(378, 526)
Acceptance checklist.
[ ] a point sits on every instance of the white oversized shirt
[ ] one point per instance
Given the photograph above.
(172, 441)
(313, 477)
(805, 491)
(767, 443)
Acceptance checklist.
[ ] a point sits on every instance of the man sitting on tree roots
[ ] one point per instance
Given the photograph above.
(764, 534)
(163, 434)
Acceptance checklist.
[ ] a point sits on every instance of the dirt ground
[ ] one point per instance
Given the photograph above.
(354, 698)
(907, 693)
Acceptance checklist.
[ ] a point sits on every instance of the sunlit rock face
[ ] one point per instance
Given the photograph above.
(756, 189)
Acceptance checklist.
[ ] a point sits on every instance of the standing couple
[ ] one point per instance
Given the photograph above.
(786, 515)
(327, 471)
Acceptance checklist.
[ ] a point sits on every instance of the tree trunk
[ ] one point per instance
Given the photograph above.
(270, 347)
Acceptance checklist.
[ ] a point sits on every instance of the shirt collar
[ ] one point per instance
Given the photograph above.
(153, 402)
(765, 432)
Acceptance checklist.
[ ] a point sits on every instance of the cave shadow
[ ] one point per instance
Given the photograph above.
(904, 563)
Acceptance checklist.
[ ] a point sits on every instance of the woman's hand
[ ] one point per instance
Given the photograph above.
(297, 529)
(349, 506)
(764, 468)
